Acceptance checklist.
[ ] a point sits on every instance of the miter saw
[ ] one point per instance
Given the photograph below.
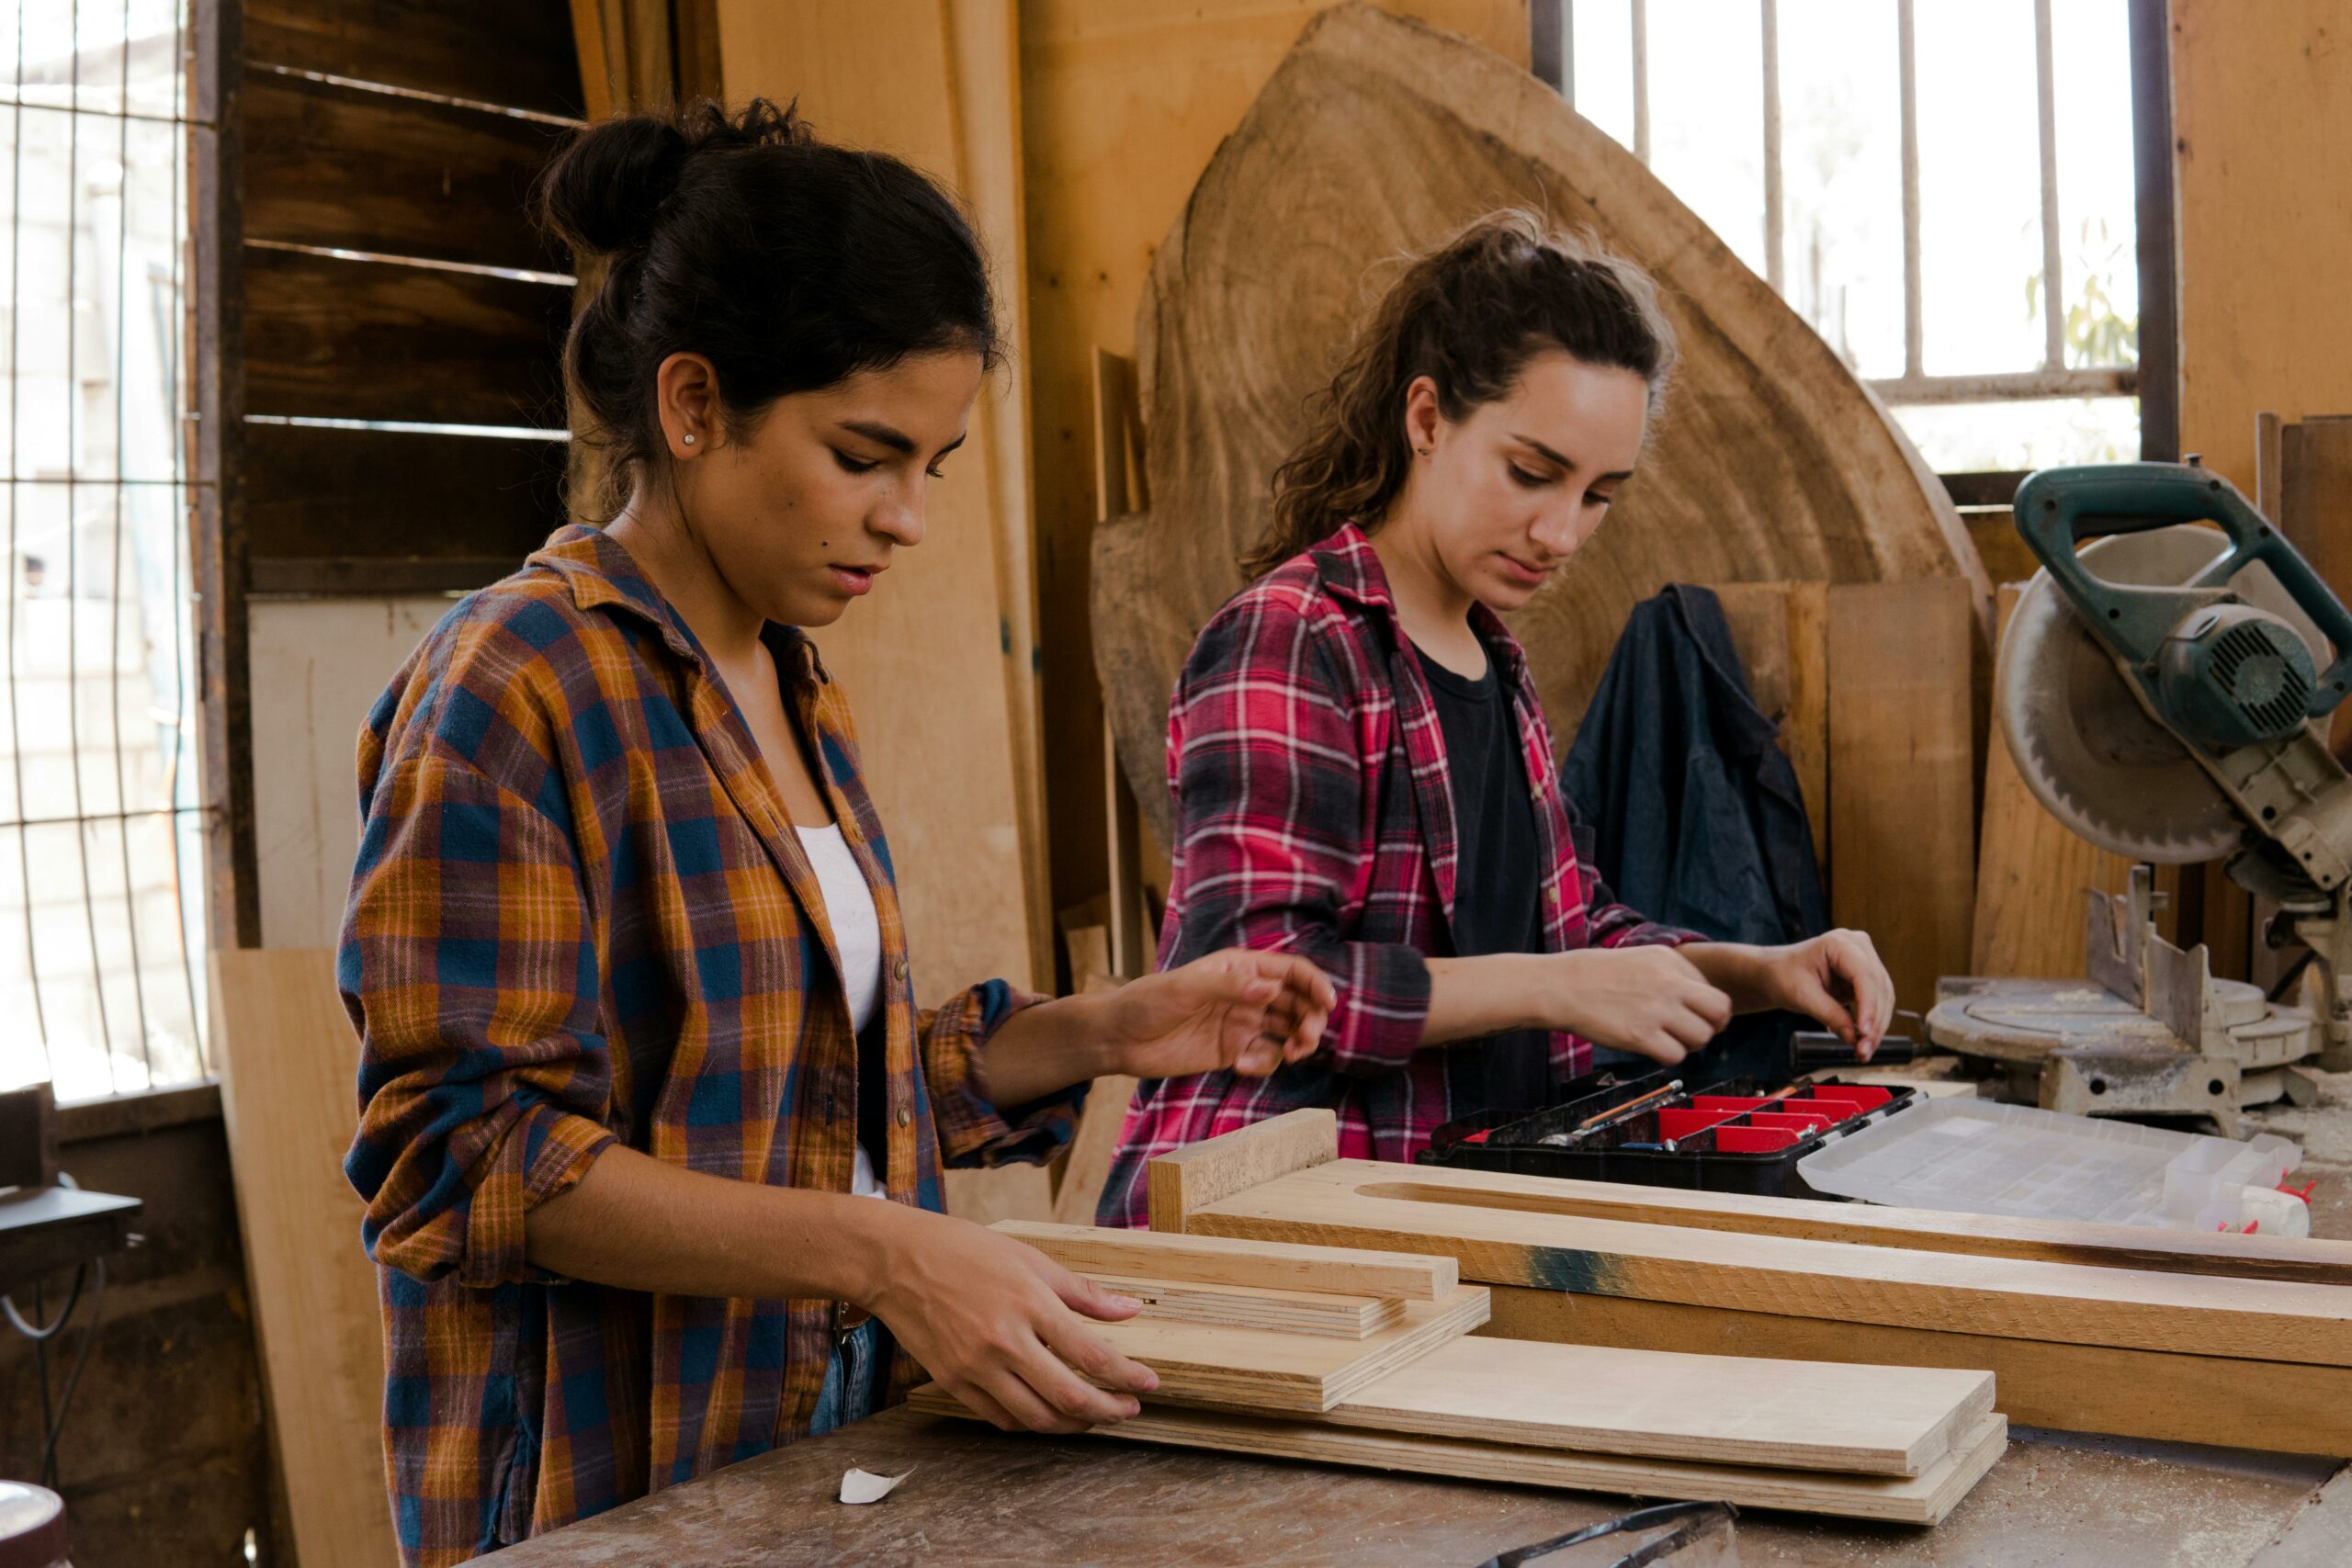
(2164, 684)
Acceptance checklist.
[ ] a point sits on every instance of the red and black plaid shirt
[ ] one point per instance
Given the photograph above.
(1313, 815)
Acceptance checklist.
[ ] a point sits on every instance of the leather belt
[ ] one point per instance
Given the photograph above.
(848, 1318)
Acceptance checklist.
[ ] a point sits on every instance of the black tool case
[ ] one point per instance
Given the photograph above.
(1735, 1136)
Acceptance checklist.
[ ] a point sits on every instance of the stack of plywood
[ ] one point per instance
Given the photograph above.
(1361, 1358)
(2243, 1340)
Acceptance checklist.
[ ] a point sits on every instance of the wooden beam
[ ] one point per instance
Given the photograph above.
(2059, 1302)
(1914, 1500)
(1218, 1260)
(2218, 1398)
(2257, 1256)
(516, 55)
(1209, 1172)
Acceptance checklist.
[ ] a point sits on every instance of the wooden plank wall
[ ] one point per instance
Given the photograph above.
(1122, 106)
(939, 664)
(391, 275)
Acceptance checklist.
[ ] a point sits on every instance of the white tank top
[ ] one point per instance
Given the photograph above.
(857, 935)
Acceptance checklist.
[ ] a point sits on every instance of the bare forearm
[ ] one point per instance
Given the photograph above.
(642, 1224)
(1472, 997)
(1737, 969)
(1044, 1049)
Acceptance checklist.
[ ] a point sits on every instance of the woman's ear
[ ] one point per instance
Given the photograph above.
(685, 399)
(1422, 416)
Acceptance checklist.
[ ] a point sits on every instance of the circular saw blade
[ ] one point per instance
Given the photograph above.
(2083, 745)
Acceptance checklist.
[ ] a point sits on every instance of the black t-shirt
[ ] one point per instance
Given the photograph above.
(1497, 879)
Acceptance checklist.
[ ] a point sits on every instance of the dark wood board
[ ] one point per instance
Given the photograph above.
(516, 53)
(338, 339)
(320, 492)
(361, 171)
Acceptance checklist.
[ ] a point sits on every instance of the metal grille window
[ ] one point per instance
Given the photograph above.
(101, 884)
(1945, 189)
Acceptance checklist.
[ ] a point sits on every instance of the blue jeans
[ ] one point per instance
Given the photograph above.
(856, 1379)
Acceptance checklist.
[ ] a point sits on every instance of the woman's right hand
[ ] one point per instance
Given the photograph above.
(1645, 999)
(997, 1325)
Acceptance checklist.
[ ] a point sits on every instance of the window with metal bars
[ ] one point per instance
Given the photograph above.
(101, 815)
(1969, 199)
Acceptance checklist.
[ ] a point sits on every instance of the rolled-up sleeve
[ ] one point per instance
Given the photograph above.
(973, 1129)
(468, 965)
(1273, 827)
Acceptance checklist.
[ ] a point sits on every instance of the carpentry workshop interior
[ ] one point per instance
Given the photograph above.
(1067, 782)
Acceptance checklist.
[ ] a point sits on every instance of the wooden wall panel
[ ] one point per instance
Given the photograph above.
(1123, 105)
(936, 663)
(517, 53)
(401, 494)
(363, 171)
(1902, 775)
(330, 338)
(2032, 872)
(2262, 116)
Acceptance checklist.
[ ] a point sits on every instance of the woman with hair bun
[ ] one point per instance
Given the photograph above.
(1360, 767)
(651, 1128)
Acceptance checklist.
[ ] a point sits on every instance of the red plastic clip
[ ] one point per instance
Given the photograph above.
(2303, 1192)
(1480, 1137)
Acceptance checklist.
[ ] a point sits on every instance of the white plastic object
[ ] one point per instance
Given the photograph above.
(1975, 1157)
(864, 1486)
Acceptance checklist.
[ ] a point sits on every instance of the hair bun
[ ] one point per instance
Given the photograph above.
(604, 190)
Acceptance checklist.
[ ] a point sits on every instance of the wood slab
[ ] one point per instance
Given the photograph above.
(1291, 1312)
(2023, 1299)
(1258, 1369)
(2257, 1256)
(1223, 1260)
(1913, 1500)
(1379, 135)
(1661, 1404)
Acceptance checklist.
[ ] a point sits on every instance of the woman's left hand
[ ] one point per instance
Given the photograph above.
(1240, 1009)
(1838, 979)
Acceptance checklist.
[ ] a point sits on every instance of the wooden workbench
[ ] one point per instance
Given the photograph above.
(980, 1498)
(983, 1498)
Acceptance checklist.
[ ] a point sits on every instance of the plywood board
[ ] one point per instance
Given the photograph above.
(1290, 1311)
(2219, 1398)
(2057, 1303)
(1902, 775)
(1222, 1261)
(2257, 1256)
(2031, 871)
(288, 1059)
(1122, 104)
(1734, 1410)
(938, 663)
(1914, 1500)
(1379, 136)
(1262, 1369)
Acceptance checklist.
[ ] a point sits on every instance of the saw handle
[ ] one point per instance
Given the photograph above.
(2057, 509)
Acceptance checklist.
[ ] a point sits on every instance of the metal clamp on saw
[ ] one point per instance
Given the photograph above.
(2164, 688)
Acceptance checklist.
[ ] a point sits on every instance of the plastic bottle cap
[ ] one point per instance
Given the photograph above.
(32, 1526)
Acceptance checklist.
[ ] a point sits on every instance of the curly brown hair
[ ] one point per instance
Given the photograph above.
(1468, 313)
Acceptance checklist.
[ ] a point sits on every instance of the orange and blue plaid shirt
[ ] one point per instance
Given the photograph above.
(579, 917)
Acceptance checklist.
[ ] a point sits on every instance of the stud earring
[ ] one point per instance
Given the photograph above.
(689, 439)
